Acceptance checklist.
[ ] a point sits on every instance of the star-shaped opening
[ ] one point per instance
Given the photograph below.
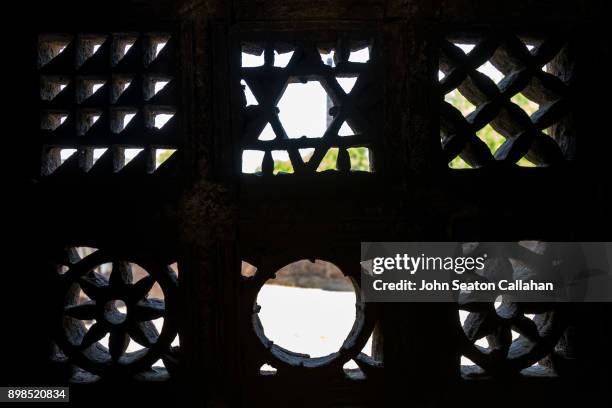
(303, 113)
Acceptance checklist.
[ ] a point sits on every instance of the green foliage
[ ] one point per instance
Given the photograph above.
(283, 167)
(527, 105)
(360, 161)
(360, 158)
(329, 160)
(487, 134)
(163, 156)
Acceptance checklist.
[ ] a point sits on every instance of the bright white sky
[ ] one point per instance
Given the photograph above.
(311, 321)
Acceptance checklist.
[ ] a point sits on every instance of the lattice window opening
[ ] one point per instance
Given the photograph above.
(303, 108)
(506, 98)
(105, 159)
(469, 369)
(103, 97)
(514, 338)
(308, 315)
(117, 318)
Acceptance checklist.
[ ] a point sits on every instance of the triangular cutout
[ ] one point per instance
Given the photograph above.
(524, 162)
(130, 154)
(52, 88)
(159, 47)
(157, 51)
(247, 270)
(267, 133)
(347, 83)
(127, 118)
(267, 369)
(97, 86)
(162, 118)
(92, 88)
(482, 342)
(88, 121)
(530, 44)
(362, 55)
(458, 163)
(282, 60)
(466, 48)
(124, 45)
(97, 153)
(352, 370)
(52, 121)
(89, 48)
(328, 58)
(65, 154)
(248, 94)
(350, 365)
(50, 47)
(345, 130)
(329, 160)
(127, 47)
(306, 154)
(467, 362)
(119, 85)
(161, 155)
(158, 86)
(515, 335)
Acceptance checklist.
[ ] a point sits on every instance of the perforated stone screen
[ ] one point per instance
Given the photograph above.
(506, 98)
(107, 103)
(307, 106)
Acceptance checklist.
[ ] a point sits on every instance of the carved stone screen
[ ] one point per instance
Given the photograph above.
(506, 98)
(108, 103)
(179, 158)
(307, 106)
(118, 317)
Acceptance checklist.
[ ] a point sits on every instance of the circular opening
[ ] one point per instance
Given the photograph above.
(308, 308)
(115, 311)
